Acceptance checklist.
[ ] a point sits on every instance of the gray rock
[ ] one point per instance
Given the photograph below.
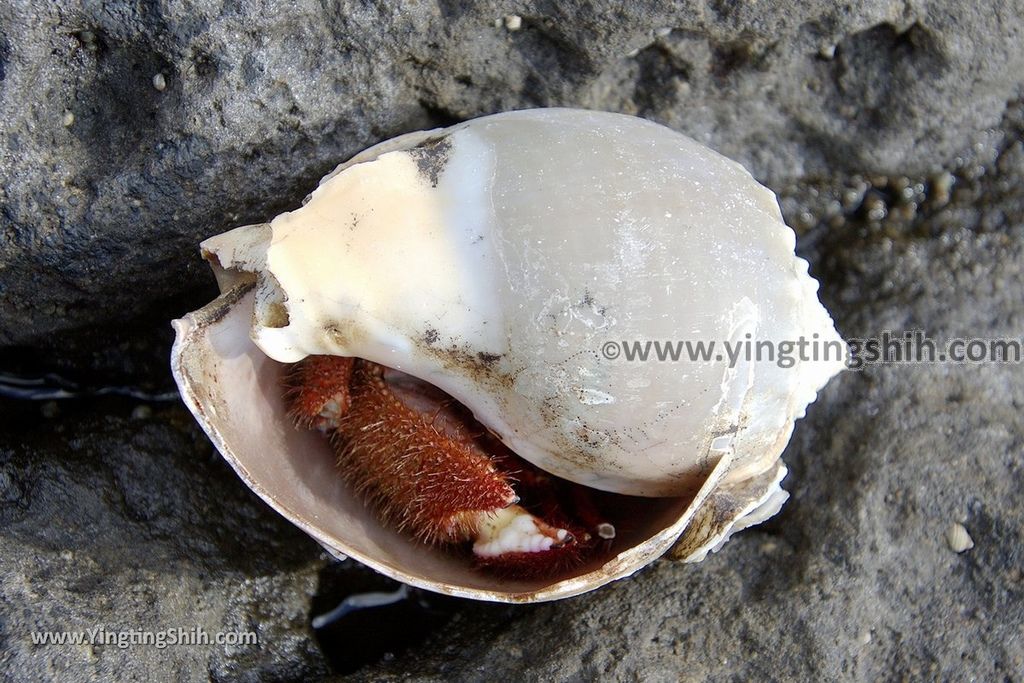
(855, 579)
(109, 181)
(130, 522)
(885, 128)
(131, 525)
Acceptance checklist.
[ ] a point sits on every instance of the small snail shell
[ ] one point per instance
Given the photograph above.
(497, 259)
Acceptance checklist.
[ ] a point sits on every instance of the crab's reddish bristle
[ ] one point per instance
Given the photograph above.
(317, 390)
(419, 479)
(429, 469)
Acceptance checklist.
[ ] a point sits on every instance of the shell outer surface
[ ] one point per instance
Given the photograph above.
(495, 259)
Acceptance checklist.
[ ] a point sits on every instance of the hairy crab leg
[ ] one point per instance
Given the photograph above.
(431, 481)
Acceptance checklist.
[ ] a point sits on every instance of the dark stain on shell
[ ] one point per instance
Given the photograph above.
(274, 314)
(431, 157)
(488, 358)
(583, 443)
(345, 334)
(481, 365)
(218, 309)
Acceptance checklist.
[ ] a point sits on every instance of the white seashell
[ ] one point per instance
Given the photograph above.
(496, 259)
(958, 538)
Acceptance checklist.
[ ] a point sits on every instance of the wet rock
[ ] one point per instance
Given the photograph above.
(115, 525)
(131, 131)
(855, 578)
(121, 517)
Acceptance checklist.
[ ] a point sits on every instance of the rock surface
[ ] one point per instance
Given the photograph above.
(126, 520)
(109, 181)
(885, 126)
(855, 579)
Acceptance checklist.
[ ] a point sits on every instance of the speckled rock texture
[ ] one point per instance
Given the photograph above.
(131, 129)
(892, 131)
(856, 578)
(125, 519)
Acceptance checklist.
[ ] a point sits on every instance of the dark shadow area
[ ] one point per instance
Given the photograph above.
(131, 353)
(132, 484)
(381, 620)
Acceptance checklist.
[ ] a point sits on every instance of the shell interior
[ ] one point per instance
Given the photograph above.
(495, 236)
(234, 391)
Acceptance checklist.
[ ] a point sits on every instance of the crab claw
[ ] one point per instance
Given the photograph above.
(514, 530)
(419, 459)
(518, 544)
(421, 478)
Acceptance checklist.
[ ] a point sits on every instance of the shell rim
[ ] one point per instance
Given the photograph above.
(190, 329)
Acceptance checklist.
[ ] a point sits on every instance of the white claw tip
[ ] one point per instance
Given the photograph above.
(514, 530)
